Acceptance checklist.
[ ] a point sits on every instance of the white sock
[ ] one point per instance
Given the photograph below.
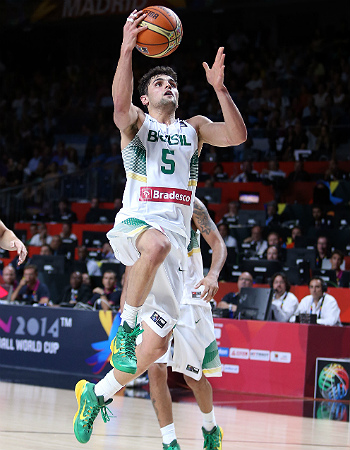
(108, 386)
(209, 421)
(129, 314)
(168, 433)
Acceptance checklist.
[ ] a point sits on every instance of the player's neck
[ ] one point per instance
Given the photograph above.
(163, 116)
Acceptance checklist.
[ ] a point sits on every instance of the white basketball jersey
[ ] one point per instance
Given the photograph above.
(194, 273)
(161, 165)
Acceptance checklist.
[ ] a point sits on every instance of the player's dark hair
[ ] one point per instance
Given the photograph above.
(158, 70)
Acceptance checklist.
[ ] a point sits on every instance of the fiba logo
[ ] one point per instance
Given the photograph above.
(333, 382)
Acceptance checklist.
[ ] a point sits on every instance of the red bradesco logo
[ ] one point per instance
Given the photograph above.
(163, 194)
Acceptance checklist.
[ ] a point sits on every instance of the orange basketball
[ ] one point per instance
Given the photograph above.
(163, 35)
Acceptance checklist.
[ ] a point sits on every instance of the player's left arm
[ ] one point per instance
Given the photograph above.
(233, 130)
(210, 233)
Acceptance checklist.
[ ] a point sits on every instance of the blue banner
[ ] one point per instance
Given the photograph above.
(61, 340)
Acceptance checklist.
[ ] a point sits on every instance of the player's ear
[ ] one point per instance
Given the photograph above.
(144, 100)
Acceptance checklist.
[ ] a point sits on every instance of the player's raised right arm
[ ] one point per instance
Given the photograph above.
(125, 113)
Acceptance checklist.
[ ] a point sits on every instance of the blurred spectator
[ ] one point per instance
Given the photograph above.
(320, 303)
(45, 250)
(298, 174)
(64, 212)
(231, 300)
(296, 231)
(107, 252)
(9, 282)
(41, 237)
(272, 253)
(211, 154)
(275, 240)
(272, 172)
(272, 218)
(296, 139)
(219, 173)
(256, 241)
(86, 279)
(33, 230)
(334, 173)
(320, 97)
(66, 234)
(30, 290)
(325, 146)
(247, 174)
(224, 231)
(93, 215)
(232, 215)
(337, 261)
(76, 292)
(107, 297)
(323, 251)
(71, 162)
(284, 303)
(56, 245)
(320, 220)
(92, 266)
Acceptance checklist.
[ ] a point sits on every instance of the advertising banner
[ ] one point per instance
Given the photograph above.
(57, 339)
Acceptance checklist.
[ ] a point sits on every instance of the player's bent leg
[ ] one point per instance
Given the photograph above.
(160, 394)
(89, 405)
(153, 246)
(203, 392)
(162, 404)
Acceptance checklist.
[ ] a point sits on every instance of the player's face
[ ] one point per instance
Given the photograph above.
(162, 91)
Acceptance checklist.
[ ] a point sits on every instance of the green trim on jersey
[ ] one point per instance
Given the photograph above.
(193, 241)
(134, 157)
(130, 226)
(194, 166)
(211, 358)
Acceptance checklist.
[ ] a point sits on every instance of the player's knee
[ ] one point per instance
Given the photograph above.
(191, 383)
(157, 372)
(160, 249)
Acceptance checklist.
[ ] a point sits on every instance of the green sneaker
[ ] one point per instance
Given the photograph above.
(172, 446)
(123, 348)
(89, 406)
(213, 438)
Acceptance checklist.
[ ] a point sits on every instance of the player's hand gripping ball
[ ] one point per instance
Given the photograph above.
(163, 35)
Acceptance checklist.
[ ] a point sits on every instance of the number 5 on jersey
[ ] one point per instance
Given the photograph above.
(169, 167)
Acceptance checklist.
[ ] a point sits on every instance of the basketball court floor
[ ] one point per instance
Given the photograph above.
(34, 417)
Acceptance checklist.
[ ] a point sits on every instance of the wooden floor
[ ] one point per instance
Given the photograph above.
(35, 418)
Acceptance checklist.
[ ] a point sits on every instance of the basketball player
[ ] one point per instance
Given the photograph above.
(151, 231)
(9, 241)
(195, 349)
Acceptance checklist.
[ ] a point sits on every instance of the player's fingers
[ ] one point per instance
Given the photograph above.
(219, 54)
(206, 67)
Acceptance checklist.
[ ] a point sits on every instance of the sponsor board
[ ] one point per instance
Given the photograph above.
(224, 352)
(239, 353)
(281, 357)
(230, 368)
(259, 355)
